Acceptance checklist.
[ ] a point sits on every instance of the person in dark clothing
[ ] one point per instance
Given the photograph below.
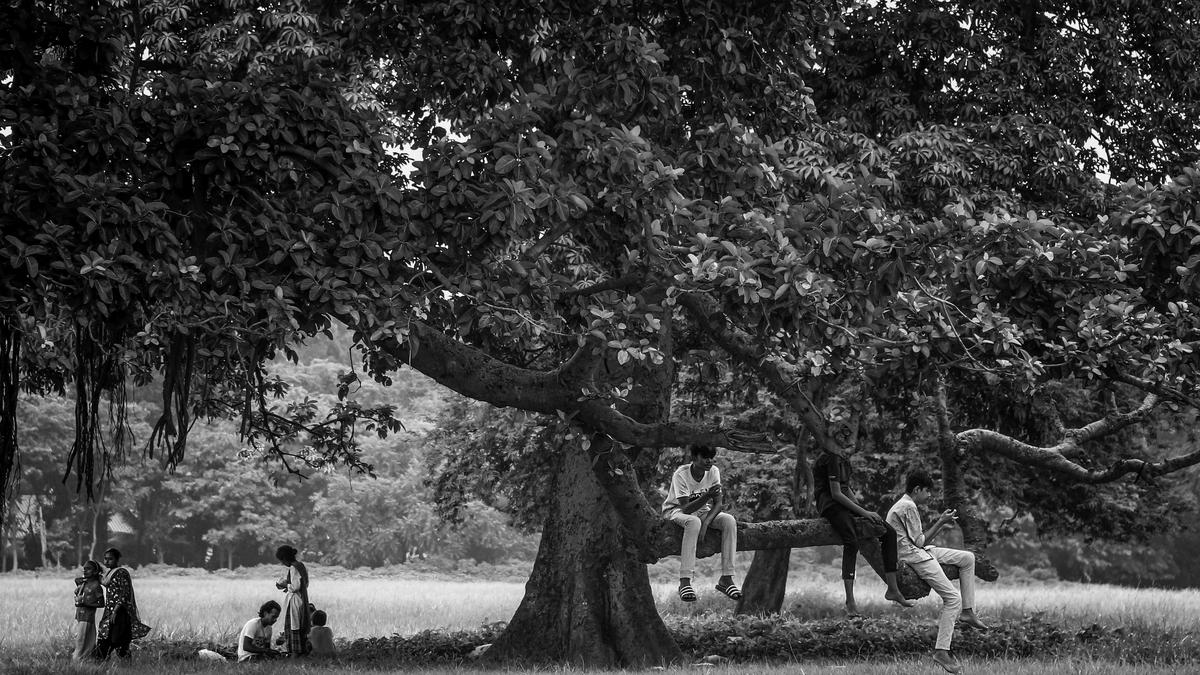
(831, 477)
(120, 624)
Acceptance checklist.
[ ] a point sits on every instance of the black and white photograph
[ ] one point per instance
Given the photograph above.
(548, 336)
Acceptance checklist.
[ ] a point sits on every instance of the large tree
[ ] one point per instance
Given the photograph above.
(822, 192)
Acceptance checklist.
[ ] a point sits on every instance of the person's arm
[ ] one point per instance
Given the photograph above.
(718, 499)
(943, 520)
(679, 487)
(249, 646)
(294, 579)
(695, 505)
(839, 496)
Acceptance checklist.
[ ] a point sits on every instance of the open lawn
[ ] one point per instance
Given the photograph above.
(198, 607)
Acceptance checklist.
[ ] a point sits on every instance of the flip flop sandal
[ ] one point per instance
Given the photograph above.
(731, 591)
(687, 593)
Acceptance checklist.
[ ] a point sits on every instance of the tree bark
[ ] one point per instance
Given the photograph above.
(588, 601)
(786, 534)
(766, 582)
(41, 528)
(954, 493)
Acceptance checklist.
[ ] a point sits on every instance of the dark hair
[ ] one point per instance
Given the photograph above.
(918, 479)
(115, 553)
(319, 617)
(93, 563)
(703, 451)
(286, 553)
(268, 606)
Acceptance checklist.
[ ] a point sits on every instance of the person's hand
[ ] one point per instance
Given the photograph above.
(874, 517)
(714, 491)
(948, 516)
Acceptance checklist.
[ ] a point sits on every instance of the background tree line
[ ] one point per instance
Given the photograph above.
(229, 508)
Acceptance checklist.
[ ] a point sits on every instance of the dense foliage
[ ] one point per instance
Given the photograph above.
(826, 197)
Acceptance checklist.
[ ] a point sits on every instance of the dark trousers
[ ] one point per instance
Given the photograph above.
(120, 634)
(842, 521)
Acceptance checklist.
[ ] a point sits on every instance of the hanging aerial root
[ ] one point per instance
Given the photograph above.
(170, 432)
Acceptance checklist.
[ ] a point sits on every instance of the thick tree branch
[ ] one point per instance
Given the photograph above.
(477, 375)
(1112, 422)
(774, 534)
(782, 378)
(987, 441)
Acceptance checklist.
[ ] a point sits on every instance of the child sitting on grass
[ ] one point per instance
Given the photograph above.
(321, 636)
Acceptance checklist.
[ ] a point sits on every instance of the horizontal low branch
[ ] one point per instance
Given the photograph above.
(802, 533)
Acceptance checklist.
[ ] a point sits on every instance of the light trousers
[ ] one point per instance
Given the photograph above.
(691, 534)
(85, 640)
(953, 602)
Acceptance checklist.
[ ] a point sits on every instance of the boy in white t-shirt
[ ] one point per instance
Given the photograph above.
(694, 501)
(255, 640)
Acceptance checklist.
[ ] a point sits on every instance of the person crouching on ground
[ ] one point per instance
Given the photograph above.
(927, 562)
(255, 640)
(694, 502)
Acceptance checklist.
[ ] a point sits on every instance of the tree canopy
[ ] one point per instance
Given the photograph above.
(554, 207)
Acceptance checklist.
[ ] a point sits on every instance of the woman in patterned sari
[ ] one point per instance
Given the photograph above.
(296, 620)
(120, 624)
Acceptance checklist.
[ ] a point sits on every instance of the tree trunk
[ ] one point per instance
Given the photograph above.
(588, 601)
(229, 557)
(41, 528)
(954, 492)
(766, 582)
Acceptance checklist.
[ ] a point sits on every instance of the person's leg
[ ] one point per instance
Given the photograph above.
(887, 543)
(965, 562)
(90, 640)
(120, 633)
(843, 525)
(687, 550)
(931, 572)
(728, 526)
(81, 633)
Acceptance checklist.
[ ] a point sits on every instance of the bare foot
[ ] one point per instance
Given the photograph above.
(898, 598)
(851, 610)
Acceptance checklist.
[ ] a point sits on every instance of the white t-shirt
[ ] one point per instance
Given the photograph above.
(260, 636)
(683, 488)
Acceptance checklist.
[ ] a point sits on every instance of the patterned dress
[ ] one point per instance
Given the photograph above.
(120, 623)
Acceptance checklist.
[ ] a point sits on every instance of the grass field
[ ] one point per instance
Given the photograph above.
(37, 614)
